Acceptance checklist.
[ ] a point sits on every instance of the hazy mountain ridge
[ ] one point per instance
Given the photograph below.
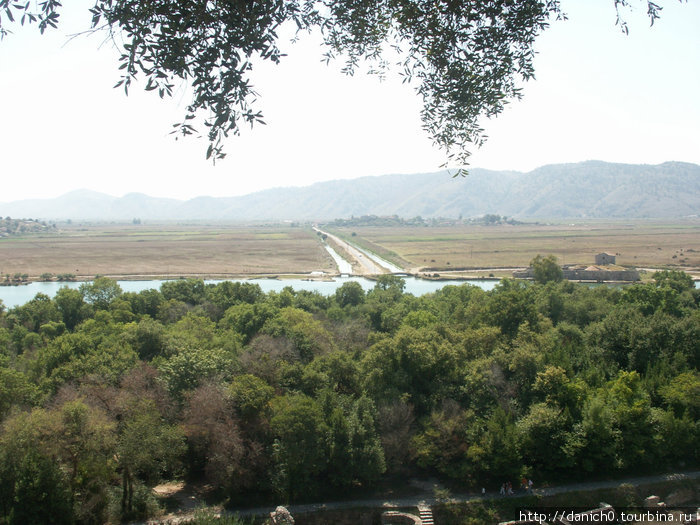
(586, 189)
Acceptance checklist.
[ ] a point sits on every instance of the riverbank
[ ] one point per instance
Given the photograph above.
(492, 274)
(173, 276)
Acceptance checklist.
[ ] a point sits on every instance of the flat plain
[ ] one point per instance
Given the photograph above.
(173, 250)
(165, 250)
(640, 244)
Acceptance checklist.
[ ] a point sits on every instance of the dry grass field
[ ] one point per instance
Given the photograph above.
(170, 250)
(641, 244)
(166, 250)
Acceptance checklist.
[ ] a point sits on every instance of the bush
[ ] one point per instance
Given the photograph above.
(209, 517)
(145, 504)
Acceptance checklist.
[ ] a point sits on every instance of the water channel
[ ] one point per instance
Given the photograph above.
(381, 262)
(344, 267)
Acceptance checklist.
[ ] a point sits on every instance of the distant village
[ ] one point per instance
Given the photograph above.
(10, 226)
(394, 220)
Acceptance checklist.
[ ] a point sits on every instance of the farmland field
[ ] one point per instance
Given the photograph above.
(166, 250)
(172, 250)
(640, 244)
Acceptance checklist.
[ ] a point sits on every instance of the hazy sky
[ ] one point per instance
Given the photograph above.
(598, 95)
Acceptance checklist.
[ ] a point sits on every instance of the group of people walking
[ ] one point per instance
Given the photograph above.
(507, 487)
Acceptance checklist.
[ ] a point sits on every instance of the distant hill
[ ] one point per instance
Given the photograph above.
(591, 189)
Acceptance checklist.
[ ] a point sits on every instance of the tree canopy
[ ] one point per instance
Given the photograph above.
(546, 269)
(465, 59)
(295, 395)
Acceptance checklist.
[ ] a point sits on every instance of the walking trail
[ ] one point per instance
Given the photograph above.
(427, 497)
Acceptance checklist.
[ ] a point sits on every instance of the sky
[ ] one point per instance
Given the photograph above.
(598, 95)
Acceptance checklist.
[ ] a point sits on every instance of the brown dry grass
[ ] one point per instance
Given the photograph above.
(640, 244)
(174, 250)
(167, 250)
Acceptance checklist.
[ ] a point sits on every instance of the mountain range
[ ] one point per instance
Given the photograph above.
(591, 189)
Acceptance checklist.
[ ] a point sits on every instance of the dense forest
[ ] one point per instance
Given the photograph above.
(284, 396)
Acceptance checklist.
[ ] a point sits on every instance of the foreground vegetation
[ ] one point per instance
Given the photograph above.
(293, 395)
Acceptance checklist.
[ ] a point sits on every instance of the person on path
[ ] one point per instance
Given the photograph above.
(503, 489)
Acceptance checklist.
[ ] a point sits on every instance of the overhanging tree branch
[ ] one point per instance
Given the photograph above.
(466, 58)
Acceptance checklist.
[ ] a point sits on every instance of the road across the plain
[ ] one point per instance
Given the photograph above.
(366, 265)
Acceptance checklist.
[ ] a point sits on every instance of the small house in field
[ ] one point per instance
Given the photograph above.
(605, 258)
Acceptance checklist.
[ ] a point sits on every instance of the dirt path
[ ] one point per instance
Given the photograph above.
(428, 498)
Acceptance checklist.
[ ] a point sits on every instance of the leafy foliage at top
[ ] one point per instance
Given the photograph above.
(466, 58)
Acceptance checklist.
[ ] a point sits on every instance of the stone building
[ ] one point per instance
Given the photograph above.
(605, 258)
(601, 272)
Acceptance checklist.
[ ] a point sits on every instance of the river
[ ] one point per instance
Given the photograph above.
(18, 295)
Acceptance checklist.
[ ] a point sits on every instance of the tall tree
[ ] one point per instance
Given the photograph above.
(546, 269)
(71, 305)
(101, 292)
(55, 465)
(299, 429)
(147, 448)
